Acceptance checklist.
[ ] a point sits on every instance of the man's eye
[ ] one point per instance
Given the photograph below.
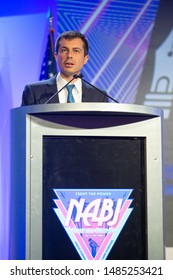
(63, 50)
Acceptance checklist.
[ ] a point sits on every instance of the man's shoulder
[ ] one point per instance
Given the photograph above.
(49, 82)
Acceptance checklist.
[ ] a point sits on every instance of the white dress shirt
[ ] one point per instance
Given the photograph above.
(77, 91)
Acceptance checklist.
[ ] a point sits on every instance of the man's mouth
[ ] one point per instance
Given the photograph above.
(69, 64)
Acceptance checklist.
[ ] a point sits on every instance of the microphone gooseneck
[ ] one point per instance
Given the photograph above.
(74, 77)
(101, 91)
(80, 76)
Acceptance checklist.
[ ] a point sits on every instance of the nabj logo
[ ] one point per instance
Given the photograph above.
(93, 218)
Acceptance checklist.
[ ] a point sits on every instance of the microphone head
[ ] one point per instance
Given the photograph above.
(75, 76)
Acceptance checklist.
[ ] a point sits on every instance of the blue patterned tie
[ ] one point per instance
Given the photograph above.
(70, 98)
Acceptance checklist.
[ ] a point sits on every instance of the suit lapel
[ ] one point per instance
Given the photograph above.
(86, 95)
(51, 90)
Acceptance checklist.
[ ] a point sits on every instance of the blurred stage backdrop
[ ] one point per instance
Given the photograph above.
(131, 57)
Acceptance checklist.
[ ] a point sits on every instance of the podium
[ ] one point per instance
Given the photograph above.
(87, 182)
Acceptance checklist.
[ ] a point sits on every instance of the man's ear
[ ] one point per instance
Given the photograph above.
(55, 56)
(86, 59)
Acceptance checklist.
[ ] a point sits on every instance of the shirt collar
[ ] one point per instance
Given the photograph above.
(62, 82)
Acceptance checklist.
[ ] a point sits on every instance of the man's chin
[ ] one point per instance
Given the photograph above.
(69, 74)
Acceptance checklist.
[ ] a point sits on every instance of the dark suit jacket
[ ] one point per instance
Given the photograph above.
(39, 92)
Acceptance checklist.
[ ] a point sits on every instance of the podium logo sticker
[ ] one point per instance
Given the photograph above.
(93, 218)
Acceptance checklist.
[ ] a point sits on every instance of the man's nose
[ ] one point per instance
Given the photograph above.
(70, 54)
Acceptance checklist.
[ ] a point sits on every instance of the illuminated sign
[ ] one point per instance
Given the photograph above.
(93, 218)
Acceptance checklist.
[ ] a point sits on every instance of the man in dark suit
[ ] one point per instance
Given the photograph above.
(71, 54)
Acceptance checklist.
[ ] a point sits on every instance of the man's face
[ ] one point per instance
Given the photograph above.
(70, 57)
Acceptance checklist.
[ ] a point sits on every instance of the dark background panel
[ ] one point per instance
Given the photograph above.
(94, 163)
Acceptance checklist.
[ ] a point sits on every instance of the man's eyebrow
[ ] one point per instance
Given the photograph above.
(72, 48)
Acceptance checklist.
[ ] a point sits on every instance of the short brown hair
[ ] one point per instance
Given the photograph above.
(71, 35)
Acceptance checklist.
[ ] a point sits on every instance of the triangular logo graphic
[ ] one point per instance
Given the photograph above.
(93, 218)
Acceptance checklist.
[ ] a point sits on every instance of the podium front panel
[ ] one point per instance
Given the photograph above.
(94, 169)
(93, 180)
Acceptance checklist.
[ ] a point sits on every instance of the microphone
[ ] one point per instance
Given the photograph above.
(78, 76)
(81, 77)
(74, 77)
